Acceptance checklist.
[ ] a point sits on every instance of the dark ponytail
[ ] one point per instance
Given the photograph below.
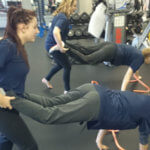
(14, 17)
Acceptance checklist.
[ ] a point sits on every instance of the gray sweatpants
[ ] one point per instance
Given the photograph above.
(81, 104)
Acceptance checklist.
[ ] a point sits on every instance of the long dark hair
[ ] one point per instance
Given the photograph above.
(14, 17)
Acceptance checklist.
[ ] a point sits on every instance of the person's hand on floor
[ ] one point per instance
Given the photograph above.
(102, 147)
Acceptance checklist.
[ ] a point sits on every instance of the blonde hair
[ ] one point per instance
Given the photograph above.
(146, 52)
(65, 7)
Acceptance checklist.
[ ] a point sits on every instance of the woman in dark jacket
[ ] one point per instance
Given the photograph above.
(14, 67)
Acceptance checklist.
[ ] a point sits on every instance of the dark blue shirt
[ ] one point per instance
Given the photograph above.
(122, 110)
(62, 23)
(128, 55)
(13, 69)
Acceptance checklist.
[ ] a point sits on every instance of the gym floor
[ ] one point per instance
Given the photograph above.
(74, 136)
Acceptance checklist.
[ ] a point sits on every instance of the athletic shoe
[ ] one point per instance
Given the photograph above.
(47, 83)
(65, 92)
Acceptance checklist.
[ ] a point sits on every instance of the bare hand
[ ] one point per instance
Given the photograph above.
(102, 147)
(139, 77)
(64, 50)
(5, 101)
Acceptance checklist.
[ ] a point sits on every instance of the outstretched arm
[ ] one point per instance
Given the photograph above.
(143, 141)
(126, 79)
(99, 140)
(143, 147)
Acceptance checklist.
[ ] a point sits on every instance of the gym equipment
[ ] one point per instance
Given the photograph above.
(84, 18)
(71, 34)
(144, 35)
(78, 33)
(142, 83)
(122, 20)
(85, 33)
(75, 19)
(97, 21)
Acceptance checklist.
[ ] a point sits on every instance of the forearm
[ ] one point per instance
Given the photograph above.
(143, 147)
(126, 79)
(1, 97)
(57, 37)
(2, 92)
(100, 137)
(143, 140)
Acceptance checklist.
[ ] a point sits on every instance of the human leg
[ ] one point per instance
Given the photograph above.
(5, 143)
(105, 53)
(63, 61)
(91, 48)
(67, 110)
(62, 99)
(53, 71)
(14, 130)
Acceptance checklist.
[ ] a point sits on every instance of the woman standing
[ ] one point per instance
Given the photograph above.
(54, 42)
(21, 28)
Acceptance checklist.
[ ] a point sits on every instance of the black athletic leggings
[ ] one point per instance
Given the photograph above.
(106, 52)
(13, 130)
(62, 61)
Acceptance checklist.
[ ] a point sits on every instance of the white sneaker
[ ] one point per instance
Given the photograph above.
(47, 83)
(65, 92)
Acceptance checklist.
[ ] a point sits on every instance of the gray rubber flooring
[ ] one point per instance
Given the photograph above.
(74, 136)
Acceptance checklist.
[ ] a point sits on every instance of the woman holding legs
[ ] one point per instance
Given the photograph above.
(100, 107)
(14, 67)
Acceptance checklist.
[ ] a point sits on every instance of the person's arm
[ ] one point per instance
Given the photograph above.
(99, 140)
(57, 36)
(143, 147)
(5, 101)
(138, 75)
(143, 136)
(126, 79)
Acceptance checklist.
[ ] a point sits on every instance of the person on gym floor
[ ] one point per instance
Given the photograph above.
(117, 54)
(99, 106)
(54, 42)
(21, 28)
